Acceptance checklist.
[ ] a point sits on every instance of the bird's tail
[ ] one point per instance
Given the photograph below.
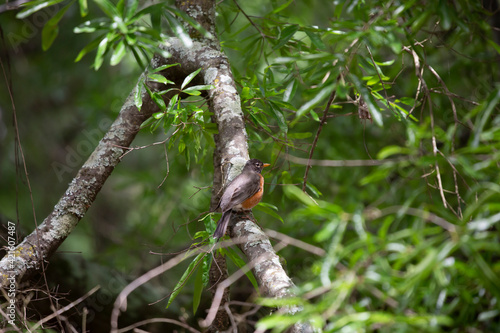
(220, 231)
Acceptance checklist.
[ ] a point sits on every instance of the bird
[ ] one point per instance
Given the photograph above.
(243, 193)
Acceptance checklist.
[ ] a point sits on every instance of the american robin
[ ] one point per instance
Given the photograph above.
(243, 193)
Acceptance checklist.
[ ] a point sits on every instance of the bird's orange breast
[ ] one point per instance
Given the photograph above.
(254, 199)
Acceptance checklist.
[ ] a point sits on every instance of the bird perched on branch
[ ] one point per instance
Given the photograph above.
(243, 193)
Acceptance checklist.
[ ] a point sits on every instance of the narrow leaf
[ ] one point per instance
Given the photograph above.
(283, 6)
(286, 35)
(92, 25)
(131, 9)
(101, 50)
(189, 78)
(190, 21)
(486, 110)
(162, 68)
(33, 7)
(118, 53)
(51, 28)
(178, 30)
(320, 96)
(269, 211)
(159, 101)
(138, 96)
(280, 118)
(200, 87)
(240, 263)
(89, 47)
(185, 277)
(84, 8)
(159, 78)
(108, 8)
(198, 289)
(315, 39)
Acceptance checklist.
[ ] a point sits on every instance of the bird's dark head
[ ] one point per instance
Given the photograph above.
(255, 165)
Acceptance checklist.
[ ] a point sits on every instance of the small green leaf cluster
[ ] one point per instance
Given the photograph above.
(187, 120)
(124, 28)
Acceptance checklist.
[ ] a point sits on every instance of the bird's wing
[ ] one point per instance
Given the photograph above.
(240, 189)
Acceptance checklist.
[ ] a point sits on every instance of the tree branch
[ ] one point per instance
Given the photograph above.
(37, 247)
(230, 155)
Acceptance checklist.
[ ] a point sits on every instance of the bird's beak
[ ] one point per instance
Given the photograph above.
(266, 165)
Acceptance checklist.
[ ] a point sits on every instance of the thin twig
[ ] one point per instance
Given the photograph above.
(453, 136)
(64, 309)
(226, 283)
(250, 20)
(380, 79)
(295, 242)
(158, 320)
(315, 141)
(345, 163)
(418, 72)
(168, 165)
(129, 149)
(425, 215)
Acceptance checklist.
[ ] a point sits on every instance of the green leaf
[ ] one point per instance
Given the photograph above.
(280, 118)
(294, 193)
(93, 25)
(108, 8)
(120, 7)
(159, 101)
(163, 67)
(172, 102)
(158, 115)
(200, 87)
(283, 6)
(485, 111)
(198, 289)
(84, 8)
(159, 78)
(156, 98)
(258, 121)
(494, 45)
(34, 6)
(290, 90)
(268, 211)
(286, 35)
(131, 9)
(49, 34)
(190, 21)
(101, 50)
(145, 11)
(315, 116)
(320, 96)
(138, 96)
(185, 277)
(315, 39)
(51, 28)
(392, 150)
(240, 263)
(189, 78)
(118, 53)
(89, 47)
(178, 29)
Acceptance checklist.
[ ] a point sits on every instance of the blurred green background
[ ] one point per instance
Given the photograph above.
(386, 259)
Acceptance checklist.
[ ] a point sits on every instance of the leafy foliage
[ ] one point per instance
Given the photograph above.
(403, 194)
(125, 27)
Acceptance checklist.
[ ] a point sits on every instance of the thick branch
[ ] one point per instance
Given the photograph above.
(270, 275)
(37, 247)
(230, 156)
